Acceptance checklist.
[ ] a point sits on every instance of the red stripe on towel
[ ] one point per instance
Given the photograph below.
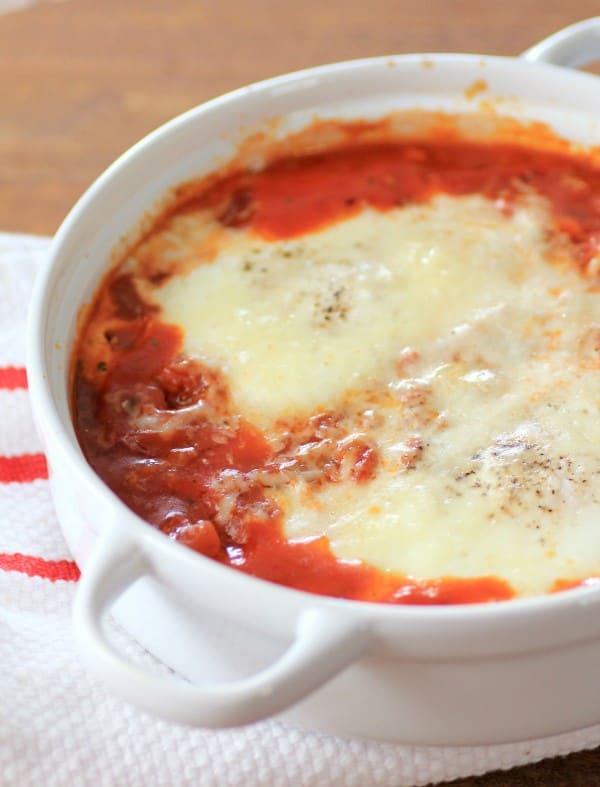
(38, 567)
(12, 377)
(22, 468)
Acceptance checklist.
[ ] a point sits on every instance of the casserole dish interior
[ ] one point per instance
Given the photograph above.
(413, 667)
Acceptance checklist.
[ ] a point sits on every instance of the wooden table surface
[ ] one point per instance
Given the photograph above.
(82, 80)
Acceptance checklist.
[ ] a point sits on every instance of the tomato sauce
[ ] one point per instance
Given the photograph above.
(299, 195)
(173, 479)
(160, 428)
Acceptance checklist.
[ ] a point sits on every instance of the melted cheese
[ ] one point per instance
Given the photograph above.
(295, 324)
(465, 334)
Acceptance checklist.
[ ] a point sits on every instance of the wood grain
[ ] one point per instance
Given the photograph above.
(80, 81)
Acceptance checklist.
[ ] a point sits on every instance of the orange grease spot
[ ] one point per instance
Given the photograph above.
(478, 86)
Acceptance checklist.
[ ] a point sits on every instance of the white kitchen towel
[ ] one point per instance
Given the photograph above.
(59, 727)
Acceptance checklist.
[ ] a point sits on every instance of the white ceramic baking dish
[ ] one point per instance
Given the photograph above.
(448, 675)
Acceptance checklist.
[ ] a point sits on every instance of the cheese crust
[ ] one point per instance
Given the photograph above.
(411, 388)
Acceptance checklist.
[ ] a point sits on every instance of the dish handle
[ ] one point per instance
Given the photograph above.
(572, 46)
(324, 645)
